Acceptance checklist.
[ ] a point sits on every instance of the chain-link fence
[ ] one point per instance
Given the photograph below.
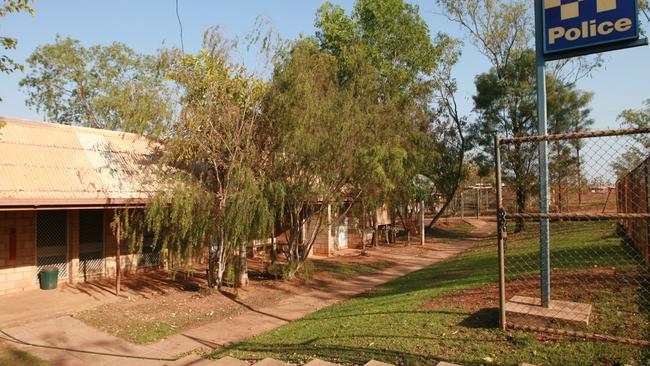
(581, 268)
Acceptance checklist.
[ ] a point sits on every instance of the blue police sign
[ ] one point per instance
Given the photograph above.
(579, 24)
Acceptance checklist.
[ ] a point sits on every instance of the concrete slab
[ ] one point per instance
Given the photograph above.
(270, 362)
(229, 361)
(566, 311)
(377, 363)
(317, 362)
(193, 360)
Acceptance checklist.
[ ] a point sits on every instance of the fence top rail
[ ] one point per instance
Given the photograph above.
(574, 135)
(577, 216)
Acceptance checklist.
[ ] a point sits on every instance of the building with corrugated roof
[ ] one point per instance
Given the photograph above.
(59, 187)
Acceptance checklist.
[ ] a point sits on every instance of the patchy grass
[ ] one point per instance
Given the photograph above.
(146, 320)
(15, 357)
(456, 230)
(343, 270)
(173, 307)
(448, 312)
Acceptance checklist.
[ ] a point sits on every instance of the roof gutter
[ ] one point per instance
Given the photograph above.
(74, 204)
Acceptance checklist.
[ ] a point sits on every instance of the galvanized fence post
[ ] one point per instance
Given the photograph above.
(545, 255)
(501, 236)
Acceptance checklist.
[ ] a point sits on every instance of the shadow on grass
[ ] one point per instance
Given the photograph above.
(344, 354)
(487, 318)
(454, 232)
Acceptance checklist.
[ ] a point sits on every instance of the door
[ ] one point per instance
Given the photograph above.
(91, 243)
(52, 241)
(343, 235)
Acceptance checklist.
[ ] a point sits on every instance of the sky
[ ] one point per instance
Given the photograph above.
(148, 25)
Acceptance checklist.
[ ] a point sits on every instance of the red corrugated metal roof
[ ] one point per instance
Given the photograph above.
(51, 164)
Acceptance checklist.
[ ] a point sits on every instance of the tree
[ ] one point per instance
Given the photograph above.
(7, 64)
(109, 87)
(310, 126)
(216, 140)
(454, 126)
(506, 107)
(568, 111)
(639, 151)
(392, 42)
(500, 31)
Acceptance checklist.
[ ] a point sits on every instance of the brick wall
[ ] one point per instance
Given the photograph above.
(323, 245)
(18, 274)
(129, 262)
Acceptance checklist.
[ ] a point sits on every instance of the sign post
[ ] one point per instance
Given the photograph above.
(564, 29)
(540, 66)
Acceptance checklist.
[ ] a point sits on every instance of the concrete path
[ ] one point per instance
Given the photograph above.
(64, 337)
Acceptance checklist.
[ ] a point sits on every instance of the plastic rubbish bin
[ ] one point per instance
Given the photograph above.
(48, 278)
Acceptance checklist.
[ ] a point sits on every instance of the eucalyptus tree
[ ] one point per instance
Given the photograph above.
(568, 111)
(500, 30)
(7, 64)
(216, 140)
(640, 149)
(506, 103)
(311, 129)
(110, 87)
(386, 44)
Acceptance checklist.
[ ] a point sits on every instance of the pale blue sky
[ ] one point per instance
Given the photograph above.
(149, 25)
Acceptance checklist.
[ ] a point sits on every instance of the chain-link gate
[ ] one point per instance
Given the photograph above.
(477, 200)
(52, 241)
(591, 278)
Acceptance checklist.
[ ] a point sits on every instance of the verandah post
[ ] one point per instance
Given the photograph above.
(118, 271)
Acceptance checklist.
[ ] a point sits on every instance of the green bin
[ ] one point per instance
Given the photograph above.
(48, 278)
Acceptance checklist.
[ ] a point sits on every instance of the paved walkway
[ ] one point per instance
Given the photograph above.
(63, 335)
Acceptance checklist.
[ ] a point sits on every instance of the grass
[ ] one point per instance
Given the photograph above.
(346, 270)
(423, 317)
(453, 231)
(16, 357)
(145, 322)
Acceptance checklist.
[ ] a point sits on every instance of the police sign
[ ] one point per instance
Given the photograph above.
(577, 24)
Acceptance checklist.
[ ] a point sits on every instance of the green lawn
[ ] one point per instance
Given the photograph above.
(346, 270)
(448, 312)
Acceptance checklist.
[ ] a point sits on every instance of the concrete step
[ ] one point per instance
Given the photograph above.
(270, 362)
(317, 362)
(377, 363)
(229, 361)
(192, 360)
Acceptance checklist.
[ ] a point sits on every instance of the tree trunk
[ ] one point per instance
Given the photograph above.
(274, 249)
(422, 223)
(221, 261)
(521, 207)
(375, 231)
(242, 280)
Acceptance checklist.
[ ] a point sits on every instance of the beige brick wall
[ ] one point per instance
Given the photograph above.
(129, 262)
(323, 245)
(19, 274)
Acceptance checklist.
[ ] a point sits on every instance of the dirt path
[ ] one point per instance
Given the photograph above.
(70, 342)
